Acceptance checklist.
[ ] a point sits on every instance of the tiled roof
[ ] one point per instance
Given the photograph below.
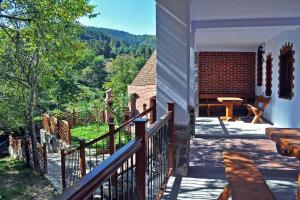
(147, 75)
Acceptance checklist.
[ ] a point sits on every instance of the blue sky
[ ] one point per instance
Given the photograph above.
(134, 16)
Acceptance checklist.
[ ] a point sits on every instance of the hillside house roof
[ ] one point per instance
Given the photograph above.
(147, 75)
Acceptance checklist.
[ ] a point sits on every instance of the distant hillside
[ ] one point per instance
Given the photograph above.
(111, 43)
(136, 40)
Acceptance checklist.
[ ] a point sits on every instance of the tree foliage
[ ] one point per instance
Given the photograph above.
(111, 43)
(40, 38)
(124, 70)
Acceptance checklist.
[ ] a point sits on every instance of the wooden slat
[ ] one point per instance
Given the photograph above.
(276, 133)
(291, 146)
(245, 180)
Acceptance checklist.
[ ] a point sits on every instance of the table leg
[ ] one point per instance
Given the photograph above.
(229, 111)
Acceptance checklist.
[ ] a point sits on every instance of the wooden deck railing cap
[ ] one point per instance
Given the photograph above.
(140, 120)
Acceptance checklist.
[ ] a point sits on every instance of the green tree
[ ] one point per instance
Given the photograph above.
(41, 37)
(91, 69)
(124, 70)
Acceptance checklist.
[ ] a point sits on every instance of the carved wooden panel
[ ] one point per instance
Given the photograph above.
(269, 72)
(286, 71)
(260, 60)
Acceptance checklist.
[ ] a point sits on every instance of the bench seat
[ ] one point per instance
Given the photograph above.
(276, 133)
(245, 182)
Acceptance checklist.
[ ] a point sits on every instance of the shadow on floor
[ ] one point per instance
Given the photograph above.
(206, 177)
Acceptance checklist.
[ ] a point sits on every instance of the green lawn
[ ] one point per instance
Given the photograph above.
(87, 133)
(18, 181)
(93, 131)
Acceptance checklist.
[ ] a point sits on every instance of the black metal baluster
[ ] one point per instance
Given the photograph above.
(127, 179)
(122, 179)
(132, 178)
(72, 173)
(116, 184)
(101, 192)
(152, 167)
(109, 188)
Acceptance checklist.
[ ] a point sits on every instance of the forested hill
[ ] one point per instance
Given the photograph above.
(134, 40)
(111, 43)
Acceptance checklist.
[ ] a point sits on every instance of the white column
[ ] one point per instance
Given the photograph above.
(173, 57)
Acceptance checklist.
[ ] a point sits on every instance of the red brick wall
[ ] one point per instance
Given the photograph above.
(145, 93)
(227, 72)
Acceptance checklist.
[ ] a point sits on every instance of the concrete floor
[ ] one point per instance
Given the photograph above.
(206, 178)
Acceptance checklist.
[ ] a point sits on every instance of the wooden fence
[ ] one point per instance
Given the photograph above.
(21, 148)
(60, 128)
(138, 170)
(79, 118)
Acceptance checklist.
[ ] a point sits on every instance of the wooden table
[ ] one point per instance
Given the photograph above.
(287, 144)
(229, 102)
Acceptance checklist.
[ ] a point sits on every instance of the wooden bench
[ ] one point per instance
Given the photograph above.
(210, 100)
(245, 182)
(258, 108)
(287, 139)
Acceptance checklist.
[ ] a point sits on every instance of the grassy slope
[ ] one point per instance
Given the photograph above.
(88, 133)
(19, 182)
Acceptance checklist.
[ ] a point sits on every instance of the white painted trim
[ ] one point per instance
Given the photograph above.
(218, 48)
(198, 24)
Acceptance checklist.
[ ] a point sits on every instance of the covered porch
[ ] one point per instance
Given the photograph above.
(206, 176)
(186, 30)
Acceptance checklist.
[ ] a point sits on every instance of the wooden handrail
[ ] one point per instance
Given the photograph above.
(132, 119)
(89, 183)
(138, 148)
(106, 135)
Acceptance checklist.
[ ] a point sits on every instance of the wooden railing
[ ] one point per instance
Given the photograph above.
(138, 170)
(77, 162)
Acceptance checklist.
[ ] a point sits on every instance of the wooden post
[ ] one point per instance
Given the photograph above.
(63, 168)
(171, 137)
(112, 149)
(45, 158)
(153, 112)
(112, 146)
(82, 158)
(58, 129)
(141, 157)
(144, 107)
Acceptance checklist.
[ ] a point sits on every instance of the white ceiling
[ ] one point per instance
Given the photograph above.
(243, 9)
(244, 36)
(205, 11)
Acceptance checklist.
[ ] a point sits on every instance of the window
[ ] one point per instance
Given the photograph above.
(286, 71)
(260, 61)
(269, 67)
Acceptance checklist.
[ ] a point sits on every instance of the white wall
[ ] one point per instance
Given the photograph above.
(173, 57)
(283, 113)
(192, 93)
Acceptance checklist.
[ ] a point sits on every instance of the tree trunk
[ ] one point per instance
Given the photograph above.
(36, 165)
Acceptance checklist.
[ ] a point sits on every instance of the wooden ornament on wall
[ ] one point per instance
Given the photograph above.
(286, 71)
(269, 71)
(260, 60)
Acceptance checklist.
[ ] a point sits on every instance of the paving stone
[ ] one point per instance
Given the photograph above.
(206, 178)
